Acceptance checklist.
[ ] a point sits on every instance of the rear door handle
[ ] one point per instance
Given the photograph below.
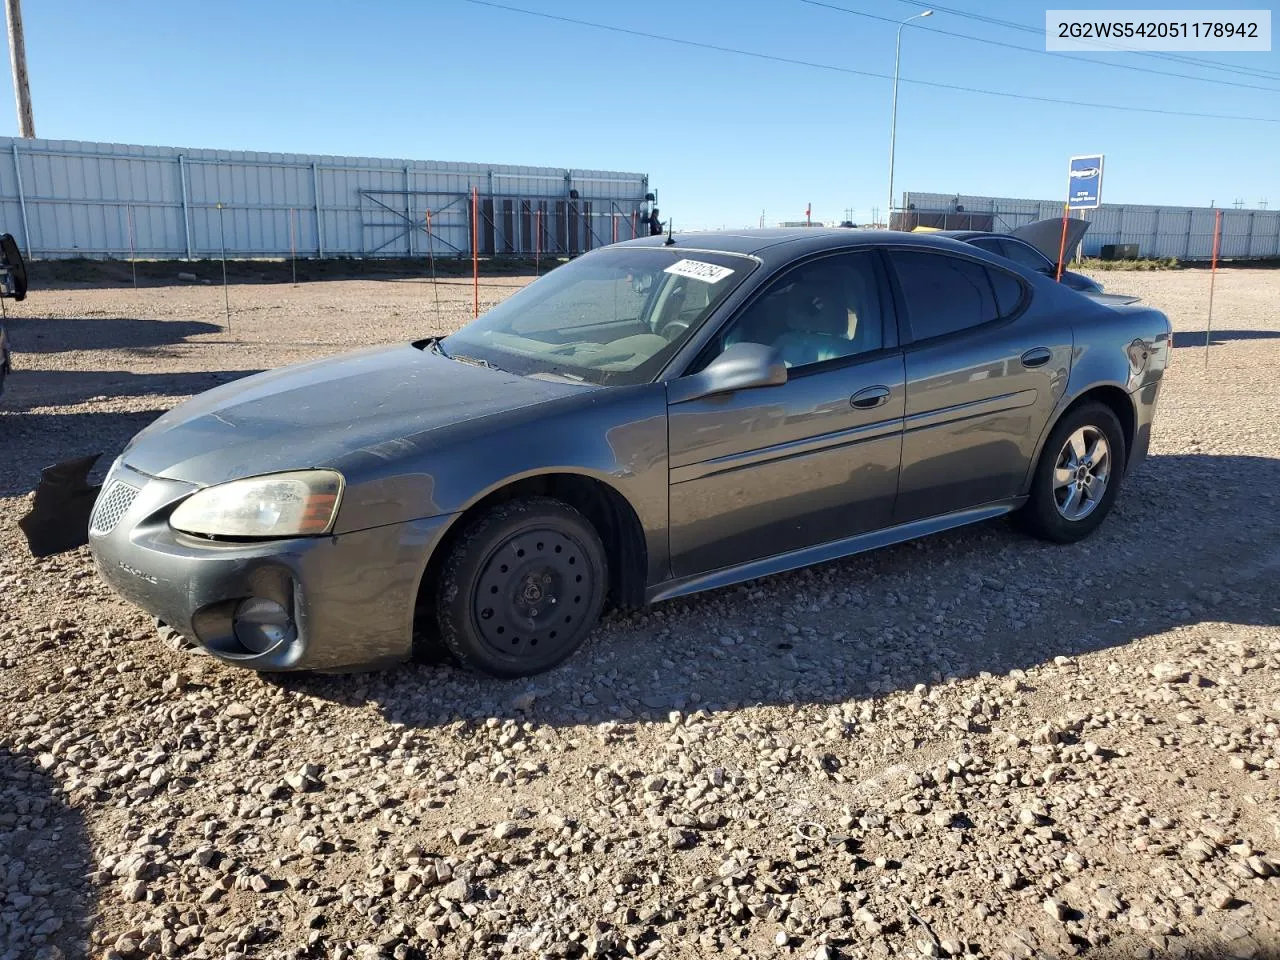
(869, 398)
(1036, 357)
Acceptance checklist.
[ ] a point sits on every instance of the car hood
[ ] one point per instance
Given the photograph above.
(1046, 236)
(337, 412)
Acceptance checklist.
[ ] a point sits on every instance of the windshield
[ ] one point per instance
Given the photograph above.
(611, 317)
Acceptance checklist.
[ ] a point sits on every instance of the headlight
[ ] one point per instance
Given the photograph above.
(299, 504)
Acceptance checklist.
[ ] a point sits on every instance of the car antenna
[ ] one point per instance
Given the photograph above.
(670, 241)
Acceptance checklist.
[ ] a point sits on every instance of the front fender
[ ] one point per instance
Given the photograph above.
(617, 436)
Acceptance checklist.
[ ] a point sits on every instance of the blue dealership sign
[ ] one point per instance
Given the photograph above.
(1084, 182)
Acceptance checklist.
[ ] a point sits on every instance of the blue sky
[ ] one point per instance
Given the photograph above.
(722, 136)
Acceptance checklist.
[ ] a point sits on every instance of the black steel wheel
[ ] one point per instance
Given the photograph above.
(522, 588)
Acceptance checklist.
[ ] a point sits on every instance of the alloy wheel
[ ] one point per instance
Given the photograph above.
(1081, 473)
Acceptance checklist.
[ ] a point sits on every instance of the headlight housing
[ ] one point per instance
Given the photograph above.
(302, 503)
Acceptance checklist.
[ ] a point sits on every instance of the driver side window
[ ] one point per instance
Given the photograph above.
(825, 310)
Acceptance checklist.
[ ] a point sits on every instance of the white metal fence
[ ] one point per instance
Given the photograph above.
(68, 198)
(1182, 232)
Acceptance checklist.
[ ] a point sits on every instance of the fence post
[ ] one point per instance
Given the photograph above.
(133, 259)
(186, 211)
(315, 186)
(22, 199)
(408, 215)
(475, 247)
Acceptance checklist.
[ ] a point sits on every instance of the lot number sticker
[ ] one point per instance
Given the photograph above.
(699, 270)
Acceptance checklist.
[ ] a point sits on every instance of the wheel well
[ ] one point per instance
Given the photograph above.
(1120, 405)
(607, 510)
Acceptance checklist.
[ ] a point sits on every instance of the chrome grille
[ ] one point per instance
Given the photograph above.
(112, 504)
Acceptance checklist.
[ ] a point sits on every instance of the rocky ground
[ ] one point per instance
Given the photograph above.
(978, 745)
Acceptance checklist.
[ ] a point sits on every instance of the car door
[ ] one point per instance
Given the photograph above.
(766, 471)
(984, 371)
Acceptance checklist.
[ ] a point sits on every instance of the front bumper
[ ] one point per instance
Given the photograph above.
(351, 596)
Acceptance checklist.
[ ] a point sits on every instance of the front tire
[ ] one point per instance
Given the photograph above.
(1077, 479)
(522, 588)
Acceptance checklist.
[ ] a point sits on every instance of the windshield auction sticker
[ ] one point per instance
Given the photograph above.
(1224, 31)
(699, 270)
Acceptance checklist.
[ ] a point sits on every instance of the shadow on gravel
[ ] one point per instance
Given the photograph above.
(45, 863)
(1195, 338)
(1188, 542)
(63, 334)
(26, 389)
(1257, 943)
(117, 274)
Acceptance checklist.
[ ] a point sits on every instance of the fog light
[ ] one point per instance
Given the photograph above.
(262, 624)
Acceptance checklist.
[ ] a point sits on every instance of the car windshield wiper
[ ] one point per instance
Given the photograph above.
(474, 361)
(436, 347)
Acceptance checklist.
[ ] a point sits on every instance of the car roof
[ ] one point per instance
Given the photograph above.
(966, 234)
(788, 243)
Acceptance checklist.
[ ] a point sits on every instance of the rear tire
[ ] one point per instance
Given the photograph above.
(522, 588)
(1078, 477)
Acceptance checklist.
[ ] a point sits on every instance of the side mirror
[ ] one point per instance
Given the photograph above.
(743, 366)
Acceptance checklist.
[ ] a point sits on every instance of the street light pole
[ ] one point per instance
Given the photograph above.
(893, 121)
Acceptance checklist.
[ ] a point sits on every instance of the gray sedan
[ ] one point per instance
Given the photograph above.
(1024, 254)
(653, 419)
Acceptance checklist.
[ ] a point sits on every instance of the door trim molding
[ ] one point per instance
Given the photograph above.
(966, 411)
(785, 450)
(833, 550)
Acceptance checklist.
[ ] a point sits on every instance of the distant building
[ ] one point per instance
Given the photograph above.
(1185, 233)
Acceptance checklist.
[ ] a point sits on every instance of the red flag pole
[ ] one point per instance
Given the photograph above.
(475, 247)
(1062, 245)
(1213, 275)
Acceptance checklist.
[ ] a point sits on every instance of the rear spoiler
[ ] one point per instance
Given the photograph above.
(1111, 299)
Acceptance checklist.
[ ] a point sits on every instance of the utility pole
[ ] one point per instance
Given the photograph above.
(893, 122)
(18, 59)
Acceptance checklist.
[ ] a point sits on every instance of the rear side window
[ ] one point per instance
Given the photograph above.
(944, 294)
(1026, 255)
(989, 244)
(1009, 291)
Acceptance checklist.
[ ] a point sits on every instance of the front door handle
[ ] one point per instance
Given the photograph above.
(869, 398)
(1036, 357)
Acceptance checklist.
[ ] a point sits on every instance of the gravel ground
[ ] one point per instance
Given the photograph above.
(975, 745)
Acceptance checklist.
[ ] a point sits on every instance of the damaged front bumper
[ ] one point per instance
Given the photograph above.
(343, 601)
